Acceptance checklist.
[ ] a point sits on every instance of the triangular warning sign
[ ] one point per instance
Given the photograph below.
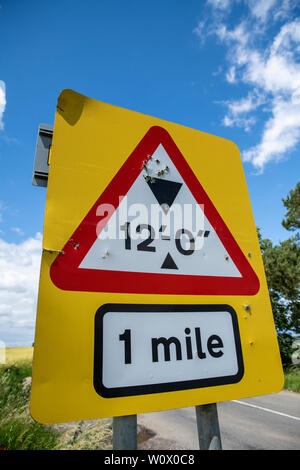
(154, 230)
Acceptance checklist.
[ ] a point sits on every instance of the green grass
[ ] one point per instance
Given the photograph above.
(18, 431)
(292, 379)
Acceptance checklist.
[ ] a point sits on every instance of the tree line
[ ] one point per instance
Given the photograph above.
(282, 267)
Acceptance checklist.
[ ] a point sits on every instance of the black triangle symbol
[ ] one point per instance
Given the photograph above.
(165, 191)
(169, 263)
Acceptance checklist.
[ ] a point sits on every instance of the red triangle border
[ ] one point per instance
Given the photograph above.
(66, 275)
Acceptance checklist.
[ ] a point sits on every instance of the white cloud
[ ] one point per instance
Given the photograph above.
(230, 75)
(245, 105)
(239, 34)
(261, 8)
(19, 278)
(281, 134)
(2, 102)
(268, 64)
(219, 4)
(245, 123)
(17, 230)
(276, 72)
(238, 111)
(200, 31)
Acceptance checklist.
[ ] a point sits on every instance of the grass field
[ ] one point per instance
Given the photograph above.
(18, 354)
(18, 431)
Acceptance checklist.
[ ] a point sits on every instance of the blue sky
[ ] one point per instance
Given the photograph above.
(230, 68)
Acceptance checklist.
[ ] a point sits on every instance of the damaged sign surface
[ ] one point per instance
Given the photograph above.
(152, 290)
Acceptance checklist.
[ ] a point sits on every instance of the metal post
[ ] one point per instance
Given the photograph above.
(208, 427)
(125, 432)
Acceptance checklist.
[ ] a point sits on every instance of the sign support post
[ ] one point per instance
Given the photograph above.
(208, 427)
(209, 436)
(125, 432)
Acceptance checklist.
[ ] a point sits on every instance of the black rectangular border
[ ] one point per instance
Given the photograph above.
(168, 386)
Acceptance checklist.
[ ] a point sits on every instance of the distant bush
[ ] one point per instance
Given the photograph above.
(292, 379)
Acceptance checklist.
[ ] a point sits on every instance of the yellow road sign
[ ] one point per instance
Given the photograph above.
(152, 290)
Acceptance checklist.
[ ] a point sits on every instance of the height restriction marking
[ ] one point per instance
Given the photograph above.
(154, 230)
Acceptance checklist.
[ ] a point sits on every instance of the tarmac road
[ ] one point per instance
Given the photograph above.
(268, 422)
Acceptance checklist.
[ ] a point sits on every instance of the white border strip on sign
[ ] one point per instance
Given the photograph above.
(265, 409)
